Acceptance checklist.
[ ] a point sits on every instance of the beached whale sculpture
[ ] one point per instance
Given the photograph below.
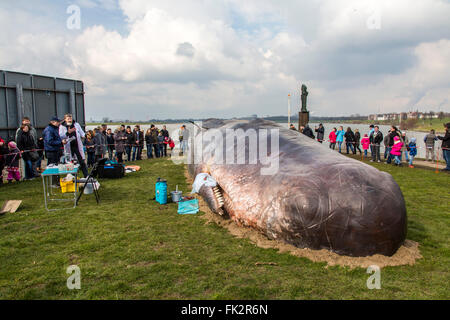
(317, 199)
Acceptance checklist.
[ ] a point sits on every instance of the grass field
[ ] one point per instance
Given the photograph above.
(129, 247)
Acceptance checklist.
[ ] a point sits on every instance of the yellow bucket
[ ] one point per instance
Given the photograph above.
(67, 186)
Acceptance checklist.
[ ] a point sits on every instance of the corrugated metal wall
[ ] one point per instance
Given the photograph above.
(38, 97)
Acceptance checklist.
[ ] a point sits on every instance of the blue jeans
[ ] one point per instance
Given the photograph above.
(340, 145)
(157, 151)
(387, 150)
(28, 169)
(137, 150)
(350, 145)
(128, 152)
(184, 146)
(365, 153)
(411, 159)
(406, 155)
(446, 154)
(397, 159)
(149, 151)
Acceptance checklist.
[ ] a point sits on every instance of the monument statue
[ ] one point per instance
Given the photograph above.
(303, 115)
(304, 97)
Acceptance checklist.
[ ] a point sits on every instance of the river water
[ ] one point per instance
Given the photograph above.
(363, 128)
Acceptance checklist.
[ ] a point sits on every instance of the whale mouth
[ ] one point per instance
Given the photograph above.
(215, 199)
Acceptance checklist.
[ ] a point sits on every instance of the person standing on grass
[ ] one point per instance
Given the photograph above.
(32, 131)
(40, 146)
(111, 143)
(320, 133)
(340, 137)
(350, 140)
(119, 142)
(357, 141)
(90, 148)
(387, 149)
(430, 140)
(184, 139)
(155, 133)
(446, 147)
(365, 141)
(71, 135)
(371, 130)
(405, 142)
(160, 139)
(166, 136)
(138, 143)
(26, 144)
(375, 140)
(412, 151)
(100, 144)
(52, 142)
(129, 142)
(393, 132)
(397, 150)
(148, 143)
(332, 138)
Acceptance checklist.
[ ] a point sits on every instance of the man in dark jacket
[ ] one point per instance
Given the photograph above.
(129, 142)
(350, 140)
(111, 142)
(26, 144)
(52, 142)
(375, 140)
(308, 132)
(446, 146)
(27, 121)
(100, 143)
(165, 134)
(138, 143)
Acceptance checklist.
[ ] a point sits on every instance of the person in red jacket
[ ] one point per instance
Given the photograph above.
(365, 144)
(332, 136)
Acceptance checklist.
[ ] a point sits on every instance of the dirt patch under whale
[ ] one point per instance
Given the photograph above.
(407, 254)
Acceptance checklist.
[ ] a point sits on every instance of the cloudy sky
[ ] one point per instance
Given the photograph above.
(142, 59)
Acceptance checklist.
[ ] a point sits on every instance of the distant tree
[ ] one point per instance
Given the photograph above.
(105, 120)
(441, 115)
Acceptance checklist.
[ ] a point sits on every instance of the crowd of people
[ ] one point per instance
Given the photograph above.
(395, 143)
(66, 137)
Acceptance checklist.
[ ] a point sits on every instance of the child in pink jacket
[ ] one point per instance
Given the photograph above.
(397, 150)
(365, 144)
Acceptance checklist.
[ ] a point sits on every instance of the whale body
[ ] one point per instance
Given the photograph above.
(317, 199)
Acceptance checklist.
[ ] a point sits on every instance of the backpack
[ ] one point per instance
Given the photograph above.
(111, 170)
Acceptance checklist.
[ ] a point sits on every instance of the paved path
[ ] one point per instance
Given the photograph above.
(429, 164)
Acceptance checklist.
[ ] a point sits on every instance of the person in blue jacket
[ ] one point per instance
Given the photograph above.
(52, 142)
(412, 148)
(340, 137)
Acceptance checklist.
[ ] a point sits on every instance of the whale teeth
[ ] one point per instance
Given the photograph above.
(219, 197)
